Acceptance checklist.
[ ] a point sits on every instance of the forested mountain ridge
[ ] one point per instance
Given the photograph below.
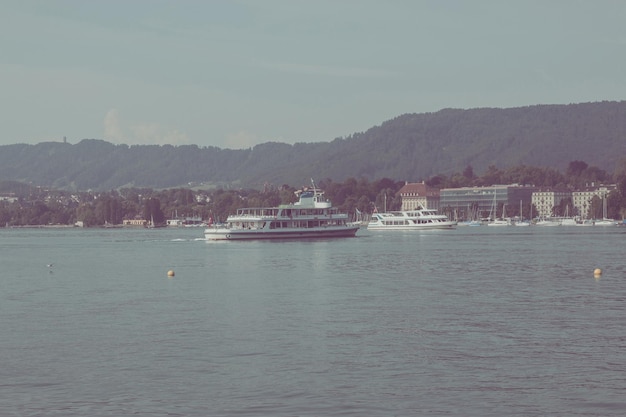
(409, 147)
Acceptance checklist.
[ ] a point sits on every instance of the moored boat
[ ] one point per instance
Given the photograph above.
(521, 221)
(568, 221)
(470, 223)
(604, 222)
(585, 222)
(500, 222)
(548, 222)
(503, 221)
(410, 220)
(312, 216)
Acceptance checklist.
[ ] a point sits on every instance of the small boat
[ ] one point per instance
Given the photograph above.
(108, 225)
(410, 220)
(548, 222)
(567, 220)
(195, 221)
(521, 221)
(470, 223)
(500, 222)
(604, 222)
(584, 222)
(312, 216)
(473, 219)
(503, 221)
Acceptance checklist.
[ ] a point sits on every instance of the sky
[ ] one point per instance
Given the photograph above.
(233, 74)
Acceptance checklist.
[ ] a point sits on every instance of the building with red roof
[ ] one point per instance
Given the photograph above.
(417, 195)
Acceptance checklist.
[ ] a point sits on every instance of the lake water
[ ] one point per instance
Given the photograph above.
(476, 321)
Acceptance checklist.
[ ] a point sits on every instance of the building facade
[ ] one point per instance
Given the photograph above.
(472, 203)
(135, 222)
(582, 199)
(546, 200)
(419, 195)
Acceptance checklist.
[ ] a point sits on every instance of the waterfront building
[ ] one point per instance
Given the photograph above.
(546, 200)
(9, 198)
(137, 221)
(418, 195)
(471, 203)
(581, 199)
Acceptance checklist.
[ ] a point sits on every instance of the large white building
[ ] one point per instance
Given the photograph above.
(478, 202)
(545, 201)
(468, 202)
(582, 199)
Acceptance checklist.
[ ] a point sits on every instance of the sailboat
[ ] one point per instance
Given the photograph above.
(498, 222)
(521, 221)
(548, 221)
(605, 221)
(567, 220)
(473, 218)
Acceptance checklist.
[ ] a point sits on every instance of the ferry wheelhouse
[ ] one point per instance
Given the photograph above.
(312, 216)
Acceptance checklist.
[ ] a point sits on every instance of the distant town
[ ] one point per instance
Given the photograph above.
(583, 192)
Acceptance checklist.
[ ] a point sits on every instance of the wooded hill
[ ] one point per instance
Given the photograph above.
(410, 147)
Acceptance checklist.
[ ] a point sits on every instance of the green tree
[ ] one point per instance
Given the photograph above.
(492, 176)
(468, 172)
(223, 204)
(86, 214)
(152, 211)
(576, 168)
(595, 208)
(564, 207)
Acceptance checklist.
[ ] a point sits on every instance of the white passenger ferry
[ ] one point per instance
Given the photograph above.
(410, 220)
(311, 217)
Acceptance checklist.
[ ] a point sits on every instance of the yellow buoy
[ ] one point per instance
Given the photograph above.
(170, 273)
(597, 271)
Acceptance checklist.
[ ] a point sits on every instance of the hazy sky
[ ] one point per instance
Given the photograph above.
(236, 73)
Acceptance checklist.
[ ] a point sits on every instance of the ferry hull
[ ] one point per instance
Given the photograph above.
(242, 234)
(412, 227)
